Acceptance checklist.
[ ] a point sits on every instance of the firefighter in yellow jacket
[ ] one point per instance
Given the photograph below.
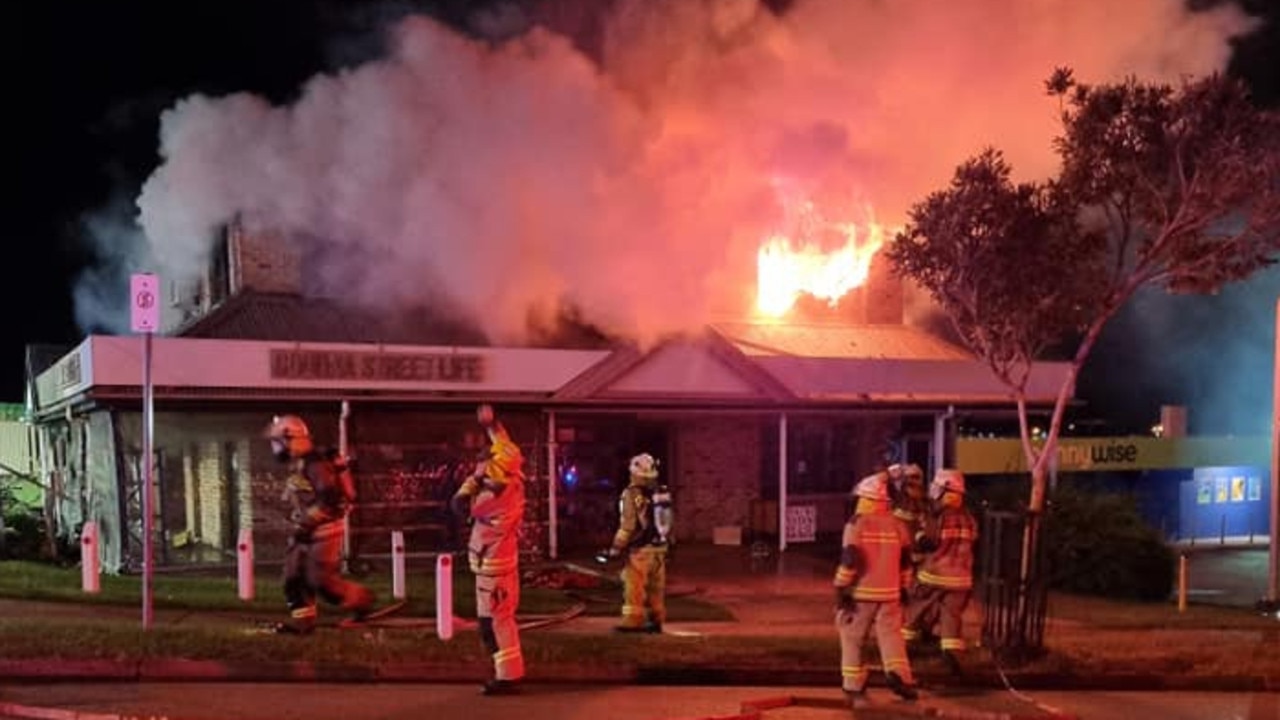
(643, 534)
(874, 572)
(321, 491)
(493, 499)
(944, 581)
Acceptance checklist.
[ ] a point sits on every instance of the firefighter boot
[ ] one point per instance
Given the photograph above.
(901, 688)
(952, 662)
(856, 699)
(500, 687)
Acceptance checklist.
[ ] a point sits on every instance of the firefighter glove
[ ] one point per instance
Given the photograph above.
(460, 504)
(844, 599)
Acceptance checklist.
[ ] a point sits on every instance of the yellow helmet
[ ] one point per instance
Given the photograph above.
(505, 459)
(289, 436)
(644, 466)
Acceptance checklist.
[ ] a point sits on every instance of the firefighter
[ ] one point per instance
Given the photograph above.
(870, 582)
(907, 498)
(945, 578)
(321, 491)
(493, 499)
(644, 534)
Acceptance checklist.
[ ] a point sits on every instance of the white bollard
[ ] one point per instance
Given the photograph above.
(244, 556)
(444, 596)
(397, 564)
(89, 563)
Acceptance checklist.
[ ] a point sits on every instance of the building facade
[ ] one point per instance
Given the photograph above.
(761, 429)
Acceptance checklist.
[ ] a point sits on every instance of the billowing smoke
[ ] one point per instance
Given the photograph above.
(637, 185)
(1214, 355)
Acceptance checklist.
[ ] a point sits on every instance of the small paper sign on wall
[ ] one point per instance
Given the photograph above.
(802, 523)
(144, 302)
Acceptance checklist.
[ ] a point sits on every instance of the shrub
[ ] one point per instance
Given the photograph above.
(1097, 542)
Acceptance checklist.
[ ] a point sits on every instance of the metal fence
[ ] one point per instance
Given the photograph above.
(1014, 595)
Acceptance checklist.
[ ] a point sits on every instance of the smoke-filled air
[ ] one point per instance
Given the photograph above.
(504, 178)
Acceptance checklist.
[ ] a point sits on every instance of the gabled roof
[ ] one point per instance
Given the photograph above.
(866, 342)
(687, 367)
(252, 315)
(877, 363)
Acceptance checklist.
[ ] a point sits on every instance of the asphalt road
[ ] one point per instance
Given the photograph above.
(242, 701)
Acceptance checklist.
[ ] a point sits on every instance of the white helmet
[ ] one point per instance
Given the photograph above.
(873, 487)
(644, 466)
(946, 480)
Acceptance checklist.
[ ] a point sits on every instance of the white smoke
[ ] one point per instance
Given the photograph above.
(639, 185)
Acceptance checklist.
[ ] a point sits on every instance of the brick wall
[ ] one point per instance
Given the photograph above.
(263, 261)
(211, 487)
(718, 466)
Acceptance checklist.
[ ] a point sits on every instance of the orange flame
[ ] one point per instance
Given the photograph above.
(787, 267)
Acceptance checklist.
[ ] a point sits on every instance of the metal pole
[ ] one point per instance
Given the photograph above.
(1273, 568)
(782, 483)
(344, 450)
(148, 466)
(552, 481)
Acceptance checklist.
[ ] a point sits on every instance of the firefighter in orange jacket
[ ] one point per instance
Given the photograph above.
(874, 572)
(643, 534)
(493, 499)
(321, 491)
(907, 499)
(945, 578)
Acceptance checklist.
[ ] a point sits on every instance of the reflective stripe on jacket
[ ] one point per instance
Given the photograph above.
(951, 564)
(494, 547)
(875, 558)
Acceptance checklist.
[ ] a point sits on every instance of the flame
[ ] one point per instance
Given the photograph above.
(787, 266)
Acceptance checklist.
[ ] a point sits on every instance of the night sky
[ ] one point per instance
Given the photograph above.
(92, 79)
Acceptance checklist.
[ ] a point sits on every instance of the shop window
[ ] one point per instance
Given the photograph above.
(821, 458)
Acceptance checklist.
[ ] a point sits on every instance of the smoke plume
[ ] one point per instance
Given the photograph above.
(637, 184)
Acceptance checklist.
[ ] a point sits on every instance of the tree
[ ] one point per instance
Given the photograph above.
(1159, 186)
(1162, 186)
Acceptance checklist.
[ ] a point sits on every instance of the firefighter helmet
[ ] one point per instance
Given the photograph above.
(946, 480)
(644, 466)
(873, 487)
(289, 436)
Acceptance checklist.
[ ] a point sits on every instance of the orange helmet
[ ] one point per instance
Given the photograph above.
(289, 436)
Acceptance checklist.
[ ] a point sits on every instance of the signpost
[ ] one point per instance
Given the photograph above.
(144, 317)
(1273, 566)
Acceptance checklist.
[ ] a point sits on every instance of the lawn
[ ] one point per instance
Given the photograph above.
(1084, 635)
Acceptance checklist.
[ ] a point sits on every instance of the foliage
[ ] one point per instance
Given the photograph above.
(217, 591)
(1099, 544)
(21, 523)
(1172, 187)
(982, 248)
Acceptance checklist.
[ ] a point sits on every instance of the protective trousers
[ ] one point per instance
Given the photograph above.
(497, 597)
(644, 587)
(948, 605)
(853, 624)
(313, 567)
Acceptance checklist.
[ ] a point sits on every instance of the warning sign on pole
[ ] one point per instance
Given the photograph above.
(144, 302)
